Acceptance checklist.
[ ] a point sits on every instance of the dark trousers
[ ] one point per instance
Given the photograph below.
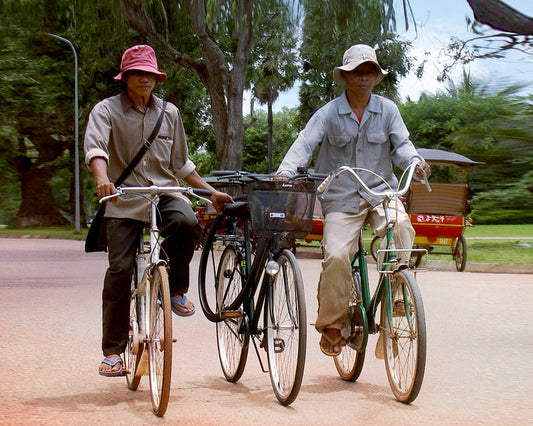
(180, 229)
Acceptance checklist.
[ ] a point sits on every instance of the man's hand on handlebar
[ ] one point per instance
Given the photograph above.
(281, 177)
(219, 199)
(105, 187)
(422, 168)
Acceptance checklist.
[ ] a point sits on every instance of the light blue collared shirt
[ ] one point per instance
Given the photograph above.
(375, 143)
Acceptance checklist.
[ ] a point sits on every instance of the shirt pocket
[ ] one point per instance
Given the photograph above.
(377, 149)
(376, 137)
(339, 150)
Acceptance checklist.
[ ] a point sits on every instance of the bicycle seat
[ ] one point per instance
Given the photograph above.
(238, 208)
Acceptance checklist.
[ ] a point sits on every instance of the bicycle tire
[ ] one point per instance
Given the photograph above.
(207, 271)
(349, 363)
(375, 246)
(286, 328)
(160, 340)
(134, 347)
(404, 350)
(232, 334)
(459, 254)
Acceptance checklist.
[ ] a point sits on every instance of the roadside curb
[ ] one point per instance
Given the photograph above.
(491, 268)
(441, 265)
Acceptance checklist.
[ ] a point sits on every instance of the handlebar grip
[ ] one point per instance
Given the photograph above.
(425, 180)
(322, 187)
(202, 192)
(218, 173)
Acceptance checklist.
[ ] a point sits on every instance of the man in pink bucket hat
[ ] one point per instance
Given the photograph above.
(357, 129)
(141, 58)
(116, 130)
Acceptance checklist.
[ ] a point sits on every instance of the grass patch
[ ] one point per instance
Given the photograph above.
(484, 242)
(493, 251)
(499, 231)
(60, 232)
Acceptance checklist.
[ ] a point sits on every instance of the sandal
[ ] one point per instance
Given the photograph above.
(329, 346)
(182, 306)
(111, 363)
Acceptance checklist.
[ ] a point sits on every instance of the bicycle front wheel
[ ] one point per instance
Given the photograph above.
(232, 334)
(404, 340)
(160, 340)
(286, 330)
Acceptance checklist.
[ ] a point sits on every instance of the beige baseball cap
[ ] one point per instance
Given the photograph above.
(355, 56)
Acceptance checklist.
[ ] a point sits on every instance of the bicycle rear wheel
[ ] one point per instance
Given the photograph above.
(160, 340)
(404, 343)
(349, 362)
(135, 345)
(232, 335)
(286, 329)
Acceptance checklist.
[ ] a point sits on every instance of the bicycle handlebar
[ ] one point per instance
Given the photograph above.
(238, 175)
(158, 190)
(387, 194)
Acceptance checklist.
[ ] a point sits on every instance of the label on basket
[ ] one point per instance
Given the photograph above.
(274, 215)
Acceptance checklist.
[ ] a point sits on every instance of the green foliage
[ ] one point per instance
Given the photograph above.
(255, 158)
(348, 23)
(494, 128)
(273, 61)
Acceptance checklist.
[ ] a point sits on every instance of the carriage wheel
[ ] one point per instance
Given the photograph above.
(459, 254)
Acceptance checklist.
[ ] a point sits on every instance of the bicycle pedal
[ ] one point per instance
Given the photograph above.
(279, 345)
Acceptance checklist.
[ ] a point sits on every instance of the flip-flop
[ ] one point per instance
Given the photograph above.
(112, 363)
(333, 343)
(183, 303)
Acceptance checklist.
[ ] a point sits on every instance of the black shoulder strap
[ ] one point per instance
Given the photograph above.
(143, 149)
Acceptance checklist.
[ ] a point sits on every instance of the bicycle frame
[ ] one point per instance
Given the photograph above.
(251, 273)
(370, 304)
(390, 262)
(144, 267)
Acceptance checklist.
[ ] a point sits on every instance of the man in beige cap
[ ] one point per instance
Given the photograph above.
(117, 128)
(357, 129)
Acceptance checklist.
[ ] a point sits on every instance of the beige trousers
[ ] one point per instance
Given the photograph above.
(340, 242)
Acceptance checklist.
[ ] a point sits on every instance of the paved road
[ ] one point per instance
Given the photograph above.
(480, 347)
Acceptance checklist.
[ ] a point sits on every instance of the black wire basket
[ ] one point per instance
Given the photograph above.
(277, 207)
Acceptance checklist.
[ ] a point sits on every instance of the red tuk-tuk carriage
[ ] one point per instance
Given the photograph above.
(439, 217)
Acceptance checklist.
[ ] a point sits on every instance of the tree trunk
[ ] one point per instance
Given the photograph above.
(37, 208)
(499, 16)
(225, 87)
(270, 134)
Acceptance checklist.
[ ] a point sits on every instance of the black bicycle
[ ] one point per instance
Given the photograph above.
(247, 272)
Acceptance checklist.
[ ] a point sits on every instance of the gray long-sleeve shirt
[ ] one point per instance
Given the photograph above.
(116, 132)
(375, 143)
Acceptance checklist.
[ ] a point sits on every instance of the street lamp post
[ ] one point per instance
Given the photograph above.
(76, 149)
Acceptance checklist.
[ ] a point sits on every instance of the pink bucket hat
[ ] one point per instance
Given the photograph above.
(355, 56)
(141, 57)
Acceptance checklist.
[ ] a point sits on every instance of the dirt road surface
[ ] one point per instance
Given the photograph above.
(480, 352)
